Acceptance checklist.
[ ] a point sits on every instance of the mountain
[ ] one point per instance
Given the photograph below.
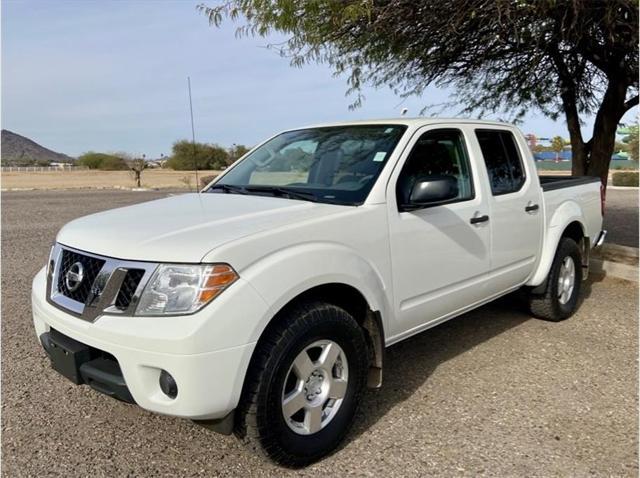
(20, 151)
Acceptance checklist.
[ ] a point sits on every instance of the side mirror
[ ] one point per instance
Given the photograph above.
(433, 189)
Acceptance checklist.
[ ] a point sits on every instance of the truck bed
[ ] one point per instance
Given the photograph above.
(579, 195)
(549, 183)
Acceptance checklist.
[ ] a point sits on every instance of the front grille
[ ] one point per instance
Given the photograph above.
(128, 288)
(91, 267)
(103, 285)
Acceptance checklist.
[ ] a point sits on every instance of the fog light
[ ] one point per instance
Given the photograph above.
(168, 385)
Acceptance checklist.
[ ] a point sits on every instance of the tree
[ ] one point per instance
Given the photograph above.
(187, 155)
(90, 160)
(236, 152)
(104, 161)
(571, 57)
(557, 145)
(136, 166)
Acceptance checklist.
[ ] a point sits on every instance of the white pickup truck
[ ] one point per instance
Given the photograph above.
(263, 304)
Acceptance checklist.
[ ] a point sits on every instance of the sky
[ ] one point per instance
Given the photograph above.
(111, 75)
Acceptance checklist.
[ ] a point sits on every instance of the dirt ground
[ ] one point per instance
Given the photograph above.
(492, 393)
(151, 178)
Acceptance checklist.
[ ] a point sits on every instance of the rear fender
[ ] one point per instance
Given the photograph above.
(567, 213)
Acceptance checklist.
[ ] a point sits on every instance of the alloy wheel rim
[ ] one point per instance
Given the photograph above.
(315, 387)
(566, 280)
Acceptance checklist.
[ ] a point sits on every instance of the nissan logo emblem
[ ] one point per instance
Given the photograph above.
(73, 277)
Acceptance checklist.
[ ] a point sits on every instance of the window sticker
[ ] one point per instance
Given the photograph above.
(380, 155)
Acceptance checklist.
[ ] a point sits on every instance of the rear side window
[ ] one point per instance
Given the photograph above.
(501, 156)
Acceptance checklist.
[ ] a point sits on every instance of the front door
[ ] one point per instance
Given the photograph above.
(441, 251)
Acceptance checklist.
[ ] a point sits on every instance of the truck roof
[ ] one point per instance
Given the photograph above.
(416, 121)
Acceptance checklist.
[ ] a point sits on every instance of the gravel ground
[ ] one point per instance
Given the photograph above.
(493, 392)
(621, 217)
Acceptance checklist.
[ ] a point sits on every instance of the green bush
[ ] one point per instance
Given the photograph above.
(186, 155)
(108, 162)
(625, 179)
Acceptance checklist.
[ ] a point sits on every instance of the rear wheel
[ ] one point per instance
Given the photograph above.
(304, 385)
(560, 298)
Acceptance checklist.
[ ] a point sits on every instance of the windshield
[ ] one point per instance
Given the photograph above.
(337, 164)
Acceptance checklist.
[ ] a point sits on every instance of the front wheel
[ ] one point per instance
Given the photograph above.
(560, 298)
(304, 384)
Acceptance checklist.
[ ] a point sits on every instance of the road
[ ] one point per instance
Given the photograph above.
(493, 392)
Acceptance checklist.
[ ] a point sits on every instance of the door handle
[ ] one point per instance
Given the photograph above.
(531, 207)
(478, 219)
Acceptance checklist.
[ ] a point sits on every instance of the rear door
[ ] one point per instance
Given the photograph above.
(440, 256)
(515, 204)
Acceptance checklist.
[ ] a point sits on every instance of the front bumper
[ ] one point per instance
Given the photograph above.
(209, 383)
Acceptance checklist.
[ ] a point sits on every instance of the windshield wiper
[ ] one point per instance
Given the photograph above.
(230, 188)
(281, 191)
(278, 191)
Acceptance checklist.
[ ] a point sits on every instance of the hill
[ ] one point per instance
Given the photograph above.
(20, 151)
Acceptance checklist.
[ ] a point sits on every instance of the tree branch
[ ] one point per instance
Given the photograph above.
(631, 103)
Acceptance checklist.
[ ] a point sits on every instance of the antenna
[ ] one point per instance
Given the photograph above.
(193, 136)
(404, 111)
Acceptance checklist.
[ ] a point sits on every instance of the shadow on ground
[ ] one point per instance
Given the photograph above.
(410, 363)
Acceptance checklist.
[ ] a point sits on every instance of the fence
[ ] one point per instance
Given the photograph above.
(41, 169)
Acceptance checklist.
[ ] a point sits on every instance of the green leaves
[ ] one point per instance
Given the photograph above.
(189, 156)
(104, 161)
(501, 54)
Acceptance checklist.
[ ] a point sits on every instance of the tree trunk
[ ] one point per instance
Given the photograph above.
(594, 157)
(579, 149)
(579, 156)
(604, 130)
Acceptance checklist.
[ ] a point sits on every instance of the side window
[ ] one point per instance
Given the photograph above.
(502, 158)
(436, 154)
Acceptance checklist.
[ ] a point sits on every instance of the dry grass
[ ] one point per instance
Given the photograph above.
(152, 178)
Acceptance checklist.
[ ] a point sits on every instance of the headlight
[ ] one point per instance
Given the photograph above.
(183, 289)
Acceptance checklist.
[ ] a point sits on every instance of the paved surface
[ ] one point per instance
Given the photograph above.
(491, 393)
(621, 217)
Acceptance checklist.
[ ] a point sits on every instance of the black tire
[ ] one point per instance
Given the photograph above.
(260, 420)
(547, 305)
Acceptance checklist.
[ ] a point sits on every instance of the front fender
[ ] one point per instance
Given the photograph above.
(284, 274)
(565, 214)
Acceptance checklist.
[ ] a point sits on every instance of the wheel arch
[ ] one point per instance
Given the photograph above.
(573, 227)
(353, 301)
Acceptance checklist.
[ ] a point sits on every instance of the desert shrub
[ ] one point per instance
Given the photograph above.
(187, 155)
(626, 178)
(93, 160)
(113, 163)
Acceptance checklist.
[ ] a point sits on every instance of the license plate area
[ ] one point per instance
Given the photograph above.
(67, 355)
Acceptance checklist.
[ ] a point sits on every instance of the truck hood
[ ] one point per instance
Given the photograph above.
(184, 228)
